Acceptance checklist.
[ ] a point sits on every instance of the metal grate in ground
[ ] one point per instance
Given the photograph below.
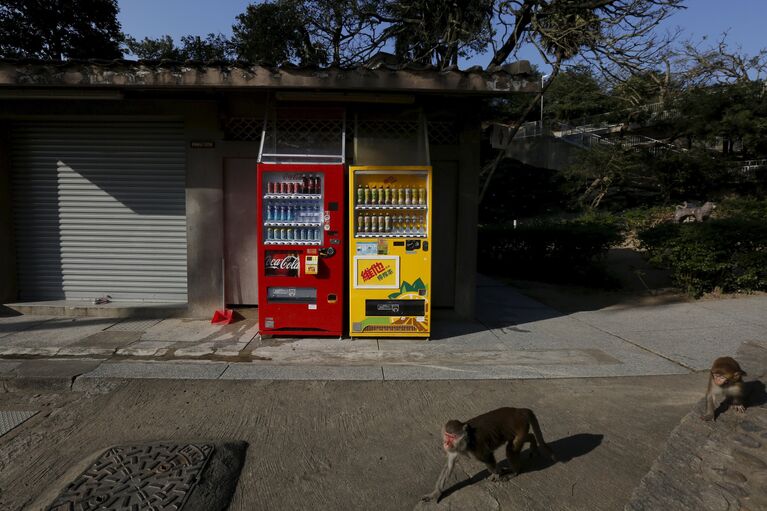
(11, 419)
(133, 325)
(150, 476)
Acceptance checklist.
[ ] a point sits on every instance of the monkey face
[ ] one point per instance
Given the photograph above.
(719, 379)
(453, 442)
(454, 436)
(449, 440)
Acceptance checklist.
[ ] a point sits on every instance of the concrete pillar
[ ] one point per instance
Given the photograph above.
(466, 230)
(204, 211)
(8, 285)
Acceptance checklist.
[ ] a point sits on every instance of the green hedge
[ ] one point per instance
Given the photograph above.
(564, 252)
(729, 254)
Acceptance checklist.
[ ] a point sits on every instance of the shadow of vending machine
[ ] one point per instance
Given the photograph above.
(390, 251)
(300, 195)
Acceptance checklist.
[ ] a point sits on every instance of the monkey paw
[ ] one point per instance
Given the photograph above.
(707, 417)
(430, 497)
(740, 408)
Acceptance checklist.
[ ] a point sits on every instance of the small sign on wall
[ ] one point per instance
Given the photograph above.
(202, 144)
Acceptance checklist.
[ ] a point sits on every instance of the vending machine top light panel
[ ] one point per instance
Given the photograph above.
(305, 135)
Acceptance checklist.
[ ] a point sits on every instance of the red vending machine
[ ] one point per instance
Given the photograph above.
(301, 249)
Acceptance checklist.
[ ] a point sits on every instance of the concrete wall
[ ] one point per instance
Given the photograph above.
(468, 216)
(8, 290)
(204, 213)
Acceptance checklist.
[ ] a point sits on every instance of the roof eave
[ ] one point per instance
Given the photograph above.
(140, 76)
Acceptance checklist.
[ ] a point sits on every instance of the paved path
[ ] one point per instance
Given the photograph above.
(355, 445)
(513, 337)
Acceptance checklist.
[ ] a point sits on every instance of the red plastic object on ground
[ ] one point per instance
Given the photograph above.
(301, 249)
(222, 317)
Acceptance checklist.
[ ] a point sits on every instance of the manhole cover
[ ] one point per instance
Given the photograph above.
(11, 419)
(153, 476)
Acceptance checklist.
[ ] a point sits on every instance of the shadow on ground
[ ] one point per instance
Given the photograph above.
(756, 392)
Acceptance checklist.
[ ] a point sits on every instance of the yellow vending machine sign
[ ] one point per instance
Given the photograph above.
(376, 272)
(390, 233)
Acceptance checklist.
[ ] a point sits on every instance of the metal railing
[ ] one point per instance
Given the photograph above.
(748, 166)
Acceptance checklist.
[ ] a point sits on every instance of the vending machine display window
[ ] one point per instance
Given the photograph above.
(390, 204)
(293, 208)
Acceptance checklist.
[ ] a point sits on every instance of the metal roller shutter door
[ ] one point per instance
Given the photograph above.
(99, 208)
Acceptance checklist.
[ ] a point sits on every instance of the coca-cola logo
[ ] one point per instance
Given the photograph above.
(282, 264)
(288, 262)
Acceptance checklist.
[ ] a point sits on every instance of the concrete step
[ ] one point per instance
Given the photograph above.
(83, 308)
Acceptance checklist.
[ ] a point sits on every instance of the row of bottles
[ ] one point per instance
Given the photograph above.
(396, 196)
(287, 212)
(293, 234)
(414, 225)
(307, 184)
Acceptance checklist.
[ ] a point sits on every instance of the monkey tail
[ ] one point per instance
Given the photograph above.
(542, 445)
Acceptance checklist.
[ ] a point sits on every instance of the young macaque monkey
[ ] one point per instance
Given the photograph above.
(726, 379)
(482, 435)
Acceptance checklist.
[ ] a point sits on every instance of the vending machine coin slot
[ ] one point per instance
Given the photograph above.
(425, 246)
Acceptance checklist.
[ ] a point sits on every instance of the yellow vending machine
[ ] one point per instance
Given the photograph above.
(390, 251)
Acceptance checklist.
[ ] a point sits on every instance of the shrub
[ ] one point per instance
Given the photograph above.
(729, 254)
(742, 207)
(564, 252)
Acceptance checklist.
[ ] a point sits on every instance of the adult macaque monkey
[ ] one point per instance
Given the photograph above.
(726, 379)
(482, 435)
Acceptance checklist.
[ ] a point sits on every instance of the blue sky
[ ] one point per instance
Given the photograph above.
(744, 19)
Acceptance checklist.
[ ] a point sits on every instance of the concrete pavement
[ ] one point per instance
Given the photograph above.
(355, 445)
(512, 337)
(372, 441)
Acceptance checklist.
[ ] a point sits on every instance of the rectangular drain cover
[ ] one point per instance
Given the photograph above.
(151, 476)
(11, 419)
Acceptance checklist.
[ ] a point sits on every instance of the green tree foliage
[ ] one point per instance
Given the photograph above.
(438, 32)
(577, 93)
(59, 29)
(643, 88)
(276, 33)
(348, 31)
(614, 178)
(721, 115)
(729, 254)
(161, 48)
(213, 47)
